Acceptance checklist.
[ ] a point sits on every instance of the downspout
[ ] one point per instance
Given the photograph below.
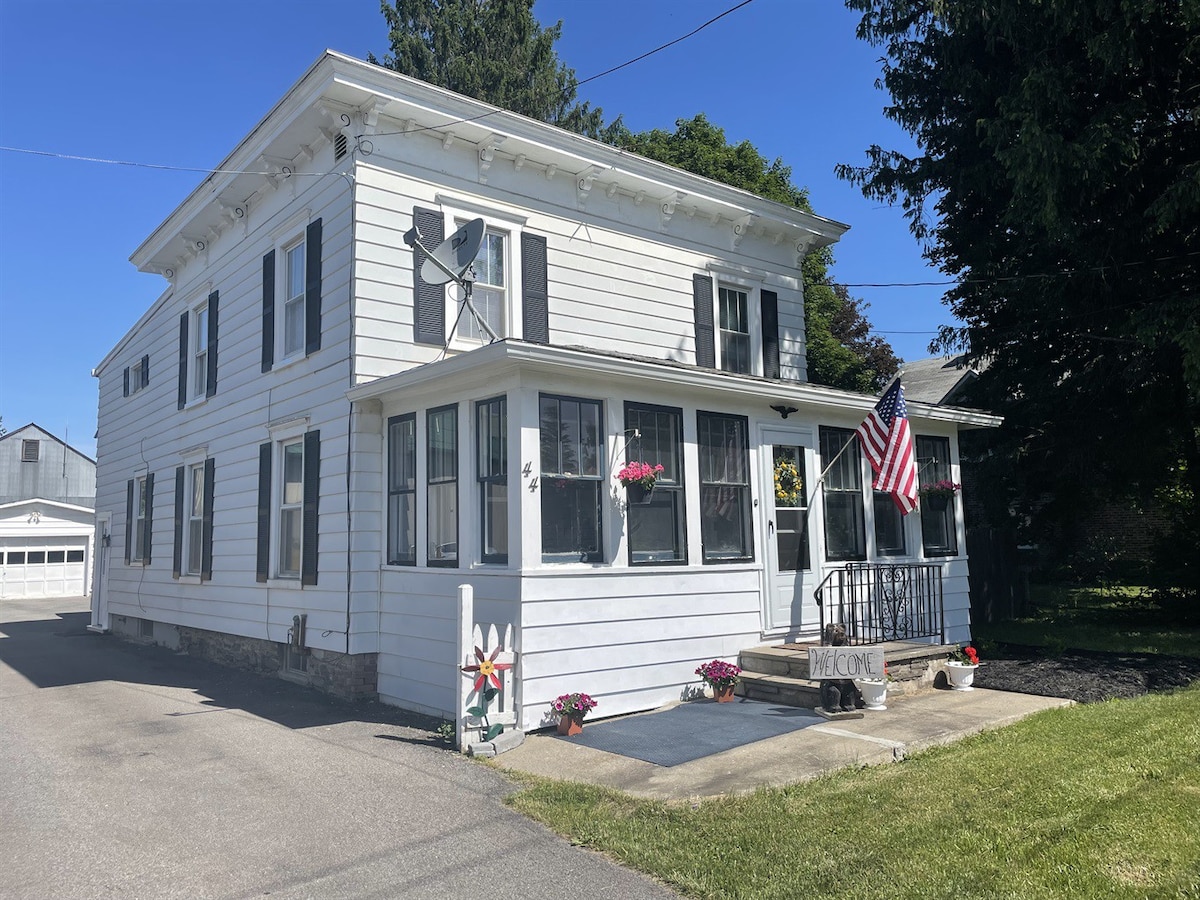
(350, 413)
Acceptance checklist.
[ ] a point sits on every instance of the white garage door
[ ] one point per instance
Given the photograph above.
(43, 566)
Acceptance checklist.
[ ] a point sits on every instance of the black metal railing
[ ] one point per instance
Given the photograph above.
(878, 602)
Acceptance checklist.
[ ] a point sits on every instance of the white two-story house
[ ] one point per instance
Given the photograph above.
(305, 449)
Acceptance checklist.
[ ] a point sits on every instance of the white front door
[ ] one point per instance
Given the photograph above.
(787, 457)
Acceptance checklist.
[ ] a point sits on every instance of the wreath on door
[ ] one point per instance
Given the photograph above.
(788, 484)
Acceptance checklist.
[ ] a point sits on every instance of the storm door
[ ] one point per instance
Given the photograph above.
(789, 605)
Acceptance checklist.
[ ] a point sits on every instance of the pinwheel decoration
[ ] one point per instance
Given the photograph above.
(486, 668)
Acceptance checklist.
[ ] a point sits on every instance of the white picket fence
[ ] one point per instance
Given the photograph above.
(487, 636)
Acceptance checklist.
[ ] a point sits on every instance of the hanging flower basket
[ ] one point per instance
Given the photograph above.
(639, 479)
(937, 495)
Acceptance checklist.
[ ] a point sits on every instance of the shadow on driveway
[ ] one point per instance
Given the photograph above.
(60, 651)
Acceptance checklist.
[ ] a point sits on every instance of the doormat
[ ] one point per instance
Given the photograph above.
(693, 730)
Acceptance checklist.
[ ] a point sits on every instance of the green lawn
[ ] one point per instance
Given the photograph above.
(1092, 801)
(1114, 620)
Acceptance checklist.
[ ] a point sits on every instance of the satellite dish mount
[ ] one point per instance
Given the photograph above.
(453, 260)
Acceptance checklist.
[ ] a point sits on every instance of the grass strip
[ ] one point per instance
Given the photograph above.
(1092, 801)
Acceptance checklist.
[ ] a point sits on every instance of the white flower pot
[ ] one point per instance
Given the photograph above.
(960, 676)
(873, 690)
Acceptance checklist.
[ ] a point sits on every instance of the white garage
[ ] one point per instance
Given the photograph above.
(45, 549)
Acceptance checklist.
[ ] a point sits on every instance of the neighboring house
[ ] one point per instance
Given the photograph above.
(315, 432)
(940, 380)
(47, 497)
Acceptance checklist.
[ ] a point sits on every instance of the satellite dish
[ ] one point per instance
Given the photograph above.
(450, 259)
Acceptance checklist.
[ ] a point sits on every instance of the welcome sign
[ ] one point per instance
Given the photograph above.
(827, 663)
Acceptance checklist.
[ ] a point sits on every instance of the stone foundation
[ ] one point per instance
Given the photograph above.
(348, 676)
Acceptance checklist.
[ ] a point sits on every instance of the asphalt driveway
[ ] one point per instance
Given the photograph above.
(129, 771)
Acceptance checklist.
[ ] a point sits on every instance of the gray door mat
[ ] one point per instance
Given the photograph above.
(693, 730)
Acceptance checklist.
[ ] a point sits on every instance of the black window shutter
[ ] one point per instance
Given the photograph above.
(312, 493)
(127, 381)
(177, 555)
(702, 295)
(263, 564)
(145, 369)
(210, 378)
(535, 312)
(183, 354)
(429, 300)
(268, 312)
(149, 524)
(769, 301)
(128, 521)
(206, 522)
(312, 288)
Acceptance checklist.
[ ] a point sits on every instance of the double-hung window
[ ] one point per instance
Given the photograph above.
(200, 325)
(889, 525)
(289, 487)
(492, 475)
(733, 318)
(489, 295)
(293, 299)
(139, 518)
(939, 530)
(845, 534)
(402, 490)
(291, 508)
(193, 519)
(725, 531)
(571, 479)
(441, 475)
(657, 532)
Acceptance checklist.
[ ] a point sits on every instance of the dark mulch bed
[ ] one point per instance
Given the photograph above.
(1083, 676)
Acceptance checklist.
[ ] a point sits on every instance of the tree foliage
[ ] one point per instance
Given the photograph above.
(841, 351)
(1058, 177)
(492, 50)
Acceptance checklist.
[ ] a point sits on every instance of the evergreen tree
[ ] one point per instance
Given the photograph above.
(1058, 177)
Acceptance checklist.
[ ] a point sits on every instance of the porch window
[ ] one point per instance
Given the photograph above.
(939, 532)
(492, 432)
(656, 529)
(402, 490)
(845, 534)
(889, 525)
(571, 479)
(442, 485)
(725, 533)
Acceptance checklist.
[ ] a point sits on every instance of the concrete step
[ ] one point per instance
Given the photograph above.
(780, 689)
(779, 674)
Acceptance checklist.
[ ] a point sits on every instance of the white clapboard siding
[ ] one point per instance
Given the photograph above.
(146, 433)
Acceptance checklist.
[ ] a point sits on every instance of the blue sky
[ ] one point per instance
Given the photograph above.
(179, 84)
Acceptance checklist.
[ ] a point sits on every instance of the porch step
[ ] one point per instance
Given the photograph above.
(779, 673)
(781, 689)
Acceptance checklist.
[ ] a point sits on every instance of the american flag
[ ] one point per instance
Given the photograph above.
(888, 444)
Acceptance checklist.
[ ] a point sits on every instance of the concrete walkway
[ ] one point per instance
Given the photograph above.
(908, 724)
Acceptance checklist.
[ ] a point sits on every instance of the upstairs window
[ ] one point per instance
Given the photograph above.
(199, 351)
(734, 327)
(490, 292)
(293, 300)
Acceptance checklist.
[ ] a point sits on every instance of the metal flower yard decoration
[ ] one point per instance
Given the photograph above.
(487, 685)
(487, 667)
